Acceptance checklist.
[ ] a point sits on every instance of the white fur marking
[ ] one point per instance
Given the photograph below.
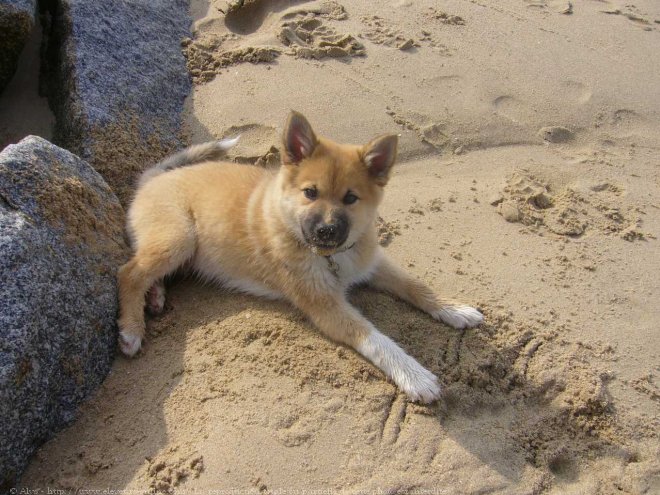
(410, 376)
(228, 143)
(250, 287)
(459, 316)
(129, 343)
(319, 274)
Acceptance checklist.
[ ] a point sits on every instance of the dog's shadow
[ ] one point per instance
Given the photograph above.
(525, 402)
(218, 357)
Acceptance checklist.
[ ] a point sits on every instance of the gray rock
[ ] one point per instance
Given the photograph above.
(61, 241)
(16, 23)
(117, 82)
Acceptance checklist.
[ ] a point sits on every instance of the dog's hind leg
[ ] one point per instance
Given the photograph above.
(161, 249)
(390, 278)
(156, 298)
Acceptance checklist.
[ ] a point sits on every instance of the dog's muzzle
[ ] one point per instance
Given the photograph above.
(323, 235)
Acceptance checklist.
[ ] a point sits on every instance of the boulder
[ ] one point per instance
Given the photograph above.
(117, 81)
(16, 23)
(61, 242)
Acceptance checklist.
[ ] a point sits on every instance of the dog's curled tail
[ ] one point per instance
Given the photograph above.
(197, 153)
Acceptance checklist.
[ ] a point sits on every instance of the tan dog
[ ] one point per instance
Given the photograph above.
(303, 233)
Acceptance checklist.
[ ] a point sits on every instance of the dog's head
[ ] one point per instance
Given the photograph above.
(330, 191)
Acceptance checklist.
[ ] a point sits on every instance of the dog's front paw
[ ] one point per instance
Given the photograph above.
(419, 384)
(459, 316)
(129, 343)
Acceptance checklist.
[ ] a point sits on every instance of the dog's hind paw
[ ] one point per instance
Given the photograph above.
(155, 299)
(459, 316)
(129, 343)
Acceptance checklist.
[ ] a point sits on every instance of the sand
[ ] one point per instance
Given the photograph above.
(528, 185)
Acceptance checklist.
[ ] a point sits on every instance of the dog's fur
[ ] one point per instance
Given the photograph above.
(297, 233)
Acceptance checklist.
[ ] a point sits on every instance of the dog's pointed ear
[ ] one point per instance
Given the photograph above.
(379, 156)
(299, 138)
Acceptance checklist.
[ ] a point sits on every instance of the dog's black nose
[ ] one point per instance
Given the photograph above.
(327, 232)
(333, 233)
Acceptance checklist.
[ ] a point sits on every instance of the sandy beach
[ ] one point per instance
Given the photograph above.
(528, 185)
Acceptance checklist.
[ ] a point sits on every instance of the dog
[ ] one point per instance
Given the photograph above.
(304, 232)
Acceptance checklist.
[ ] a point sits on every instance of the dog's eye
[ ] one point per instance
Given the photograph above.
(350, 198)
(310, 193)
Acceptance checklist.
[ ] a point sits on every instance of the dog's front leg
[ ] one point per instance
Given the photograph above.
(390, 278)
(340, 321)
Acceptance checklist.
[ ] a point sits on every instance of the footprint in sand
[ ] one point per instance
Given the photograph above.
(437, 134)
(261, 30)
(434, 14)
(626, 123)
(558, 6)
(208, 54)
(626, 118)
(247, 17)
(303, 30)
(307, 36)
(569, 209)
(378, 31)
(556, 134)
(511, 108)
(634, 15)
(446, 82)
(576, 91)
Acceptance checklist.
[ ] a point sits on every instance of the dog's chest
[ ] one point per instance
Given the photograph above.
(339, 270)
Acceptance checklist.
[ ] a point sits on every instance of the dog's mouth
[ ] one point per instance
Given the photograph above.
(323, 248)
